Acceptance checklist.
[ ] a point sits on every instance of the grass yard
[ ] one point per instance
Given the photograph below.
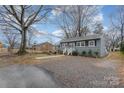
(6, 59)
(116, 56)
(119, 58)
(30, 58)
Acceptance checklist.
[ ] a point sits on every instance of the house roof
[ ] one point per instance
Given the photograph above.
(44, 43)
(88, 37)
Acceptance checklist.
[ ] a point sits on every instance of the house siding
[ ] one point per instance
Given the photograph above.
(87, 48)
(98, 47)
(103, 50)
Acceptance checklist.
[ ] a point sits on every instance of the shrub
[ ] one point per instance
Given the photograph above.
(90, 53)
(75, 53)
(96, 54)
(54, 52)
(83, 53)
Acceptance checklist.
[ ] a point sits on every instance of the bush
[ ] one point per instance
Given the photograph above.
(90, 53)
(96, 54)
(75, 53)
(54, 52)
(83, 53)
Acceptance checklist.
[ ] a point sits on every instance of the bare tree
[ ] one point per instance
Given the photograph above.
(117, 20)
(11, 38)
(31, 36)
(112, 37)
(73, 19)
(21, 18)
(85, 31)
(98, 28)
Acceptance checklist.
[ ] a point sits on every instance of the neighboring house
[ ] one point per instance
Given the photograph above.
(94, 43)
(44, 47)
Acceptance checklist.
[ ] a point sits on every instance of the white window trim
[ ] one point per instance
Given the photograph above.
(84, 43)
(63, 44)
(72, 44)
(80, 44)
(90, 42)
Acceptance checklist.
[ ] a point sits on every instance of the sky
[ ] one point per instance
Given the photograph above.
(106, 11)
(53, 29)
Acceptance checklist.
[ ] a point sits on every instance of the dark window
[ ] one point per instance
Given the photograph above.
(77, 43)
(91, 43)
(86, 43)
(82, 43)
(95, 42)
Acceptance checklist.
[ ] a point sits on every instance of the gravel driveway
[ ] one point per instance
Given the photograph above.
(62, 71)
(26, 76)
(75, 71)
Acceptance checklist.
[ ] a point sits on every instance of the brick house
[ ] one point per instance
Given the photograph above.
(44, 47)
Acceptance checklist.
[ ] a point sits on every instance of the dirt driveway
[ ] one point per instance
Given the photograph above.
(75, 71)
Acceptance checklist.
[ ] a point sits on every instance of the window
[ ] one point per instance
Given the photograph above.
(91, 43)
(83, 43)
(64, 44)
(71, 44)
(77, 43)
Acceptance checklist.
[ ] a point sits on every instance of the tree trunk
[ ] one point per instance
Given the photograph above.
(22, 49)
(122, 36)
(79, 21)
(113, 48)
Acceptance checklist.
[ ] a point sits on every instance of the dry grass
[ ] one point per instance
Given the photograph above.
(6, 60)
(119, 57)
(27, 59)
(116, 56)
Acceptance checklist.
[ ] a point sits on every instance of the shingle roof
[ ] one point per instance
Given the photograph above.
(44, 43)
(88, 37)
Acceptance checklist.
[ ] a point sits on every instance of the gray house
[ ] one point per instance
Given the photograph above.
(94, 43)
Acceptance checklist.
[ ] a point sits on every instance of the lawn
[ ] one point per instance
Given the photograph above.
(30, 58)
(116, 56)
(6, 59)
(119, 58)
